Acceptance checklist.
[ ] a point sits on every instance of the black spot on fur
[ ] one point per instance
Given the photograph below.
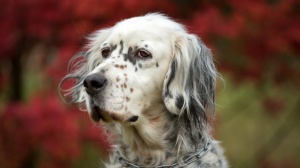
(121, 49)
(135, 69)
(172, 75)
(129, 56)
(133, 119)
(179, 102)
(146, 45)
(157, 64)
(102, 71)
(140, 65)
(113, 48)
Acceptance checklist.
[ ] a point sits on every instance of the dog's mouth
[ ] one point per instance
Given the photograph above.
(97, 114)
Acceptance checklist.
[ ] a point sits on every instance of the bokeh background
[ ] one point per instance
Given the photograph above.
(256, 45)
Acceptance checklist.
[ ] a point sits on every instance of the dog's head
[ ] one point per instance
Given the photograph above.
(142, 65)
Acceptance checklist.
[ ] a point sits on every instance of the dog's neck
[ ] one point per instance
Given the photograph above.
(156, 140)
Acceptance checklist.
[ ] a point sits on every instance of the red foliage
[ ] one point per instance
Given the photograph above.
(266, 34)
(45, 132)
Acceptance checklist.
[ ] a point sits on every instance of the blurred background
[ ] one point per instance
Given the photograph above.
(256, 45)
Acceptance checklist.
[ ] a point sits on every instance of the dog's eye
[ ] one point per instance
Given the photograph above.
(143, 54)
(105, 52)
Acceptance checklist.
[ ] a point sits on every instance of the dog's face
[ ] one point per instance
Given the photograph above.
(134, 58)
(142, 68)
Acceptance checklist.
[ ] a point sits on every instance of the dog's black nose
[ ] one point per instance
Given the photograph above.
(94, 83)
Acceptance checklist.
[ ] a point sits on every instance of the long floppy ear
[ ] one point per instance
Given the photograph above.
(81, 65)
(189, 85)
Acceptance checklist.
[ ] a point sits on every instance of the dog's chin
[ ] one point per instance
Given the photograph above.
(98, 114)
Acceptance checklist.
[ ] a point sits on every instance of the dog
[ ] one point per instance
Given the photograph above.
(151, 85)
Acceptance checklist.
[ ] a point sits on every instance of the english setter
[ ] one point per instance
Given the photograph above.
(152, 85)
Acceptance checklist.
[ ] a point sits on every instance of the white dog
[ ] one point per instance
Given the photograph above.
(152, 85)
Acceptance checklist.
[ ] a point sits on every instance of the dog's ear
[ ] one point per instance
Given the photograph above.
(189, 86)
(81, 65)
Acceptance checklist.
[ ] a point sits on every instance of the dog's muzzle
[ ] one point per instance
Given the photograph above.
(94, 83)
